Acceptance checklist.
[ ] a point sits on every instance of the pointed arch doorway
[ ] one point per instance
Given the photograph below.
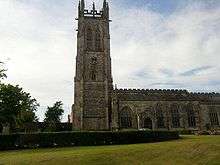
(148, 123)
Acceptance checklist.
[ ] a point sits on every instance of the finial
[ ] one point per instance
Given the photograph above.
(104, 4)
(79, 6)
(93, 9)
(105, 10)
(82, 5)
(79, 9)
(93, 6)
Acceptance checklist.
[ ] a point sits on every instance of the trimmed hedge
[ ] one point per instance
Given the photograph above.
(186, 132)
(63, 139)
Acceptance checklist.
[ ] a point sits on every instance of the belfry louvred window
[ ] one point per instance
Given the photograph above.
(89, 39)
(98, 43)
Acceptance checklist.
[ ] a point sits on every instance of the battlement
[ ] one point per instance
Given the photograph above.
(152, 91)
(165, 94)
(103, 13)
(93, 13)
(173, 91)
(205, 94)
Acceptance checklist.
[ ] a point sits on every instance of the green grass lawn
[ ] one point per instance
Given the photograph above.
(190, 150)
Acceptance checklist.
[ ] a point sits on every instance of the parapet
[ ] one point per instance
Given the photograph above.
(82, 12)
(164, 95)
(212, 94)
(177, 91)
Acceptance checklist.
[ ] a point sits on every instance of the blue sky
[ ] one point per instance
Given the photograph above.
(154, 44)
(165, 7)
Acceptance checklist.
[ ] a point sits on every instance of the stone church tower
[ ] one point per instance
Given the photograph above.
(93, 79)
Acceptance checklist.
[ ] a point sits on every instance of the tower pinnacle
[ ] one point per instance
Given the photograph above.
(105, 9)
(104, 4)
(93, 9)
(82, 5)
(93, 6)
(79, 9)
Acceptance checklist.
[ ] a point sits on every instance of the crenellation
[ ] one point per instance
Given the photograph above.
(174, 91)
(103, 13)
(199, 94)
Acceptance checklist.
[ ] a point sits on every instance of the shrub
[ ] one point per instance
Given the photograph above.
(62, 139)
(8, 142)
(186, 132)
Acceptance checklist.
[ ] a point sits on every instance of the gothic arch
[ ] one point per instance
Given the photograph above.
(145, 118)
(175, 116)
(98, 40)
(190, 115)
(213, 116)
(159, 116)
(147, 123)
(89, 38)
(125, 117)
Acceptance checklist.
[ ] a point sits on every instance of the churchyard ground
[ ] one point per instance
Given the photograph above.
(189, 150)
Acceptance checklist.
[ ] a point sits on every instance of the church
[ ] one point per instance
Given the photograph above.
(100, 106)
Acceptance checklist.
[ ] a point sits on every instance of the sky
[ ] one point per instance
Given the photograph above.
(154, 44)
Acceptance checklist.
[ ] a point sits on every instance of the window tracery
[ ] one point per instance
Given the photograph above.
(126, 118)
(175, 116)
(89, 39)
(98, 43)
(213, 117)
(160, 117)
(191, 115)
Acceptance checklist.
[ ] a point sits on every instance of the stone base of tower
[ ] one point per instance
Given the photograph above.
(95, 124)
(76, 118)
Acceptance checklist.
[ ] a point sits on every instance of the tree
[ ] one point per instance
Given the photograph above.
(16, 106)
(53, 116)
(54, 113)
(2, 71)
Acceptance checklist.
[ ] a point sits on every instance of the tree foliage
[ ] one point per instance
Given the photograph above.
(16, 106)
(2, 71)
(54, 113)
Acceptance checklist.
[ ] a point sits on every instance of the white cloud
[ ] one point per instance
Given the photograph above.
(150, 42)
(149, 49)
(40, 49)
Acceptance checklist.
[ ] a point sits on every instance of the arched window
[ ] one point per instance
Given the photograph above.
(175, 116)
(89, 39)
(160, 117)
(148, 123)
(93, 68)
(98, 42)
(191, 115)
(213, 117)
(93, 75)
(126, 118)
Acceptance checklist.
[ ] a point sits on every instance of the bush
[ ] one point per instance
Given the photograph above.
(186, 132)
(62, 139)
(202, 133)
(8, 142)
